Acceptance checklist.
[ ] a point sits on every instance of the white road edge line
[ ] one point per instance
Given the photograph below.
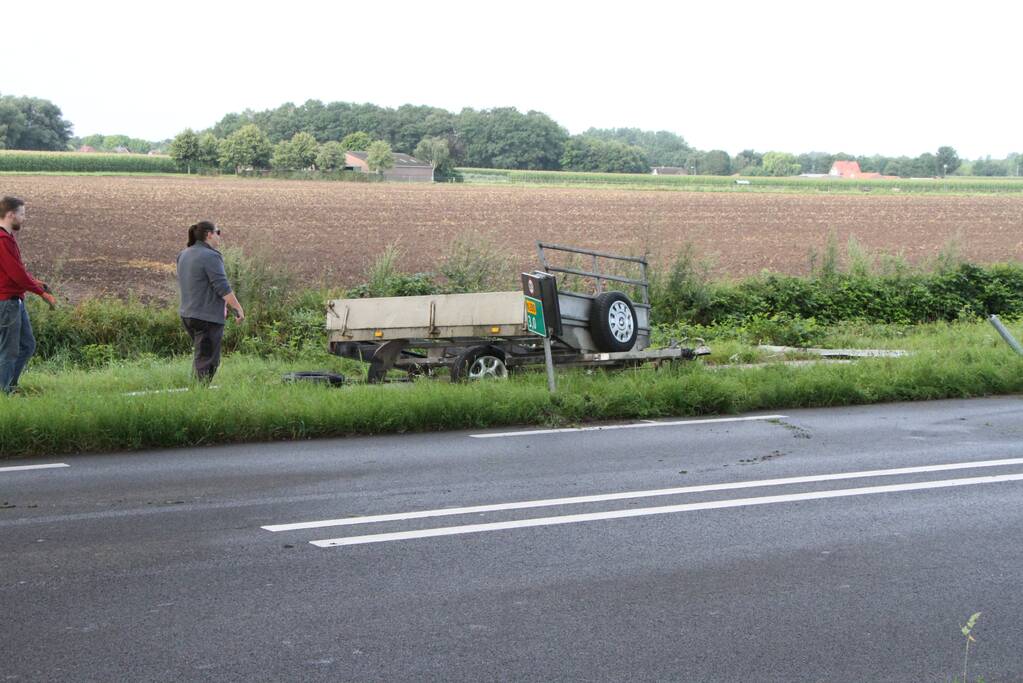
(599, 498)
(668, 509)
(635, 425)
(20, 468)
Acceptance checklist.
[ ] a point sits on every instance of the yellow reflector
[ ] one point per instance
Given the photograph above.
(378, 333)
(495, 330)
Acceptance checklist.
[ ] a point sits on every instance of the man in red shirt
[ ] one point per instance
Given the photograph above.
(17, 344)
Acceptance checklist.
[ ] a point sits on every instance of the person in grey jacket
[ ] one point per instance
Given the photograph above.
(205, 296)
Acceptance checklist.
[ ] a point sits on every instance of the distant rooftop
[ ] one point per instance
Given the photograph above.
(400, 160)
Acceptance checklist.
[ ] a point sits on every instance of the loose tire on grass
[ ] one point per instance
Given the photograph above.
(613, 322)
(479, 362)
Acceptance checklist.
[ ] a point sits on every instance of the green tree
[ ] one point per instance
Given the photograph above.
(507, 138)
(924, 166)
(231, 123)
(583, 153)
(780, 164)
(662, 148)
(991, 167)
(282, 158)
(747, 160)
(33, 124)
(184, 149)
(12, 122)
(247, 147)
(1014, 162)
(297, 153)
(716, 162)
(331, 156)
(358, 141)
(947, 161)
(816, 162)
(379, 157)
(437, 153)
(304, 147)
(209, 151)
(94, 141)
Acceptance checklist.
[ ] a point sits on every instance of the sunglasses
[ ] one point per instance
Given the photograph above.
(216, 231)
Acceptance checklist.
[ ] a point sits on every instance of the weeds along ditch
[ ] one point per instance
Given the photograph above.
(126, 405)
(113, 374)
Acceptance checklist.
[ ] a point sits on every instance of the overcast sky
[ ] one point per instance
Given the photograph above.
(861, 77)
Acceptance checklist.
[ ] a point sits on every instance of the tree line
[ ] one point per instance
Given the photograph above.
(502, 137)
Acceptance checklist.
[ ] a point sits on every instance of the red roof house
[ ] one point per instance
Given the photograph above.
(851, 170)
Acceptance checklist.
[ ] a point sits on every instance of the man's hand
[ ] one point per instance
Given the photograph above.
(239, 314)
(49, 299)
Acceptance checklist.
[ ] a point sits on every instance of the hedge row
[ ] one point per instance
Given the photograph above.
(963, 291)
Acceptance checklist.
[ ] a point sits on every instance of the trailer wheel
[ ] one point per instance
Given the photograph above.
(479, 362)
(613, 322)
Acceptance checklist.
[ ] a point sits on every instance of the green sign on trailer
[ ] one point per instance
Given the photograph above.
(534, 316)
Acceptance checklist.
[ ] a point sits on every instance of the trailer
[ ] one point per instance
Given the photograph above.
(475, 336)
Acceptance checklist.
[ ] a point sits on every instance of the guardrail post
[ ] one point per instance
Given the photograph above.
(1006, 335)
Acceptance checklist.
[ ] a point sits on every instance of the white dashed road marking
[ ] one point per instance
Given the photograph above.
(21, 468)
(668, 509)
(497, 507)
(636, 425)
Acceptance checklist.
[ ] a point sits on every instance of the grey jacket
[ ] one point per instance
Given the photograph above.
(203, 283)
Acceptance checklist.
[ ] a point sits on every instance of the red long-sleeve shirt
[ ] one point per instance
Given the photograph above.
(14, 279)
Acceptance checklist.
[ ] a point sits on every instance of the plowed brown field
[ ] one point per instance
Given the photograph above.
(118, 235)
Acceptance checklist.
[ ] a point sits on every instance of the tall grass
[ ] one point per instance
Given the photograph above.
(67, 411)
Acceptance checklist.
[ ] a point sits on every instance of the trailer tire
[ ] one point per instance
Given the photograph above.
(613, 322)
(479, 362)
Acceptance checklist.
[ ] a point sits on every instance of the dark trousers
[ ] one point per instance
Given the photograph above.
(17, 344)
(206, 338)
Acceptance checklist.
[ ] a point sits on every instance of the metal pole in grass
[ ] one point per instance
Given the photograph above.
(1006, 335)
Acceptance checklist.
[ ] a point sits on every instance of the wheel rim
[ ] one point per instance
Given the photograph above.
(619, 319)
(488, 367)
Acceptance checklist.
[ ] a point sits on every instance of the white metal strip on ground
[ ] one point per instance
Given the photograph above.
(599, 498)
(166, 391)
(668, 509)
(636, 425)
(20, 468)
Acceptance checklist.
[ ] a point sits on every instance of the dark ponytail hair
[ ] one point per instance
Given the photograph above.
(198, 231)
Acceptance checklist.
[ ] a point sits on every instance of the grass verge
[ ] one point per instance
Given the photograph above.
(75, 410)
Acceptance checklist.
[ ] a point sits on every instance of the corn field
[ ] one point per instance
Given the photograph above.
(80, 162)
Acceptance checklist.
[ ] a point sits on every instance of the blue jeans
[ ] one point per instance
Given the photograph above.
(17, 343)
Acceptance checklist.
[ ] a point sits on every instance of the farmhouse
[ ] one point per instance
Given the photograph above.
(669, 170)
(405, 167)
(851, 170)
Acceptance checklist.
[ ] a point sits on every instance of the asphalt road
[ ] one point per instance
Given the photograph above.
(764, 566)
